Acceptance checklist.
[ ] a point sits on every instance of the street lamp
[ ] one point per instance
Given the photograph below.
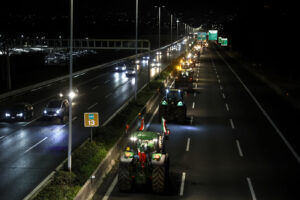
(171, 28)
(136, 45)
(70, 82)
(159, 13)
(177, 27)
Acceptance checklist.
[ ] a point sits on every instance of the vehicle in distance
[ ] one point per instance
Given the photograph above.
(18, 112)
(172, 106)
(130, 72)
(66, 93)
(184, 79)
(56, 108)
(155, 63)
(144, 161)
(120, 68)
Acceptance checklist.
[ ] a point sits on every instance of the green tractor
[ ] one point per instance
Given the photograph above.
(144, 161)
(172, 106)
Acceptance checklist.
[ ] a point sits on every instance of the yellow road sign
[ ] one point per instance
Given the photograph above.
(91, 119)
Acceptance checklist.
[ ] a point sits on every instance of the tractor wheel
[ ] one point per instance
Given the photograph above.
(124, 178)
(158, 179)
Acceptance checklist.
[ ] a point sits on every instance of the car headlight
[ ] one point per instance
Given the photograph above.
(58, 111)
(133, 138)
(7, 114)
(123, 68)
(20, 115)
(45, 111)
(61, 94)
(72, 94)
(117, 68)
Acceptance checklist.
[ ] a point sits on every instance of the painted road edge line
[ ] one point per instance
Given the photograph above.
(92, 106)
(182, 184)
(292, 150)
(239, 148)
(36, 144)
(251, 188)
(110, 189)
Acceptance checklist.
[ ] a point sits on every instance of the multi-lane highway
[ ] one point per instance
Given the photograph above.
(31, 150)
(230, 147)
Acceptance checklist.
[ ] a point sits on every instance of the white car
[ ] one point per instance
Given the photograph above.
(130, 72)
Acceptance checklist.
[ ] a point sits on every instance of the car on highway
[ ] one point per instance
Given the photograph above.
(66, 93)
(18, 112)
(56, 108)
(130, 72)
(155, 63)
(120, 68)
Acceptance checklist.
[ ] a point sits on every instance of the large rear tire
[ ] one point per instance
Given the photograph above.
(158, 178)
(124, 178)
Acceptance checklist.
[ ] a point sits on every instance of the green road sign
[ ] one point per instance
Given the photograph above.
(201, 35)
(219, 40)
(212, 35)
(224, 42)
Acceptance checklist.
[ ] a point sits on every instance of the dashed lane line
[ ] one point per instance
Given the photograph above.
(188, 144)
(232, 124)
(227, 107)
(239, 148)
(92, 106)
(251, 188)
(36, 144)
(182, 183)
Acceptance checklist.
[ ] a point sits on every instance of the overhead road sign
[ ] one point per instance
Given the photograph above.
(201, 36)
(224, 42)
(212, 35)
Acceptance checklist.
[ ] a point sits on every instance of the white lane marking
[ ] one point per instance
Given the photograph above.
(92, 106)
(196, 86)
(150, 120)
(108, 95)
(74, 118)
(94, 88)
(264, 112)
(182, 184)
(172, 84)
(107, 81)
(239, 148)
(223, 95)
(36, 89)
(49, 85)
(192, 118)
(194, 94)
(221, 88)
(36, 144)
(231, 123)
(110, 189)
(227, 107)
(219, 81)
(193, 106)
(188, 144)
(251, 188)
(31, 121)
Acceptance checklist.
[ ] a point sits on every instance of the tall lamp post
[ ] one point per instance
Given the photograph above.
(177, 27)
(171, 28)
(70, 98)
(136, 45)
(159, 16)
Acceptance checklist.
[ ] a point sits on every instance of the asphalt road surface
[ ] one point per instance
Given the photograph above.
(230, 148)
(31, 150)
